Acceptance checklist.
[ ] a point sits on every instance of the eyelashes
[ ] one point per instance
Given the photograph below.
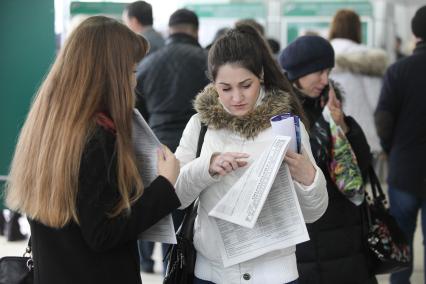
(229, 89)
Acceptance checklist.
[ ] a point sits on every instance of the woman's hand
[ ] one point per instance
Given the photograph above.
(167, 164)
(224, 163)
(301, 168)
(335, 107)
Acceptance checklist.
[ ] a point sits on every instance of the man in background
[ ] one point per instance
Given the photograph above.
(400, 117)
(169, 80)
(398, 48)
(138, 17)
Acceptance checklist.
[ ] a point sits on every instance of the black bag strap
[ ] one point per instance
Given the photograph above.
(29, 248)
(376, 188)
(203, 131)
(186, 228)
(378, 198)
(200, 142)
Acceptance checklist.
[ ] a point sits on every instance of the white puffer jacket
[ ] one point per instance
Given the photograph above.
(359, 71)
(195, 181)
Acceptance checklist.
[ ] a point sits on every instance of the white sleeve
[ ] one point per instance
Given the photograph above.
(194, 174)
(313, 199)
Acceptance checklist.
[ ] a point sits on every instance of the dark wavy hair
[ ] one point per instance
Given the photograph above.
(245, 47)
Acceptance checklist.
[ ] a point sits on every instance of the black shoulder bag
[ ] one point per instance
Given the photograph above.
(181, 256)
(17, 269)
(388, 246)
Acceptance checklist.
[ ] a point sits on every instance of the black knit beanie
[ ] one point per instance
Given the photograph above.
(418, 23)
(306, 55)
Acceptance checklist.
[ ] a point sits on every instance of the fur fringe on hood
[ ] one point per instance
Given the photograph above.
(372, 62)
(215, 116)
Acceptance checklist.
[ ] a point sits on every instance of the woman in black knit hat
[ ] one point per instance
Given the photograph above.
(336, 251)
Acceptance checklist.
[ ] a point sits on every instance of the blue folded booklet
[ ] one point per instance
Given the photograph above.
(288, 125)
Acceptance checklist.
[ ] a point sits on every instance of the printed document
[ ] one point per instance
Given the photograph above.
(242, 204)
(146, 144)
(280, 223)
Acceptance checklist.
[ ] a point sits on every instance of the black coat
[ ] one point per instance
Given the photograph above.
(336, 252)
(100, 249)
(400, 119)
(168, 81)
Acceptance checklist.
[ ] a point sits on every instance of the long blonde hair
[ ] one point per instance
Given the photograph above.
(92, 73)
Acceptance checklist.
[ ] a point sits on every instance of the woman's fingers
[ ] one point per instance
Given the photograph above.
(338, 104)
(160, 154)
(292, 154)
(333, 102)
(223, 163)
(301, 168)
(242, 163)
(166, 151)
(226, 165)
(237, 155)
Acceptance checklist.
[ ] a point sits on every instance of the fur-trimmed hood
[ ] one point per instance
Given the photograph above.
(215, 116)
(359, 59)
(370, 63)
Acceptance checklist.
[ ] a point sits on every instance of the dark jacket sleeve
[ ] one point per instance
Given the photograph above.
(98, 194)
(141, 103)
(359, 144)
(387, 109)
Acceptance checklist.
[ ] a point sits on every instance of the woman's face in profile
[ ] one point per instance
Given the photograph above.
(238, 89)
(313, 84)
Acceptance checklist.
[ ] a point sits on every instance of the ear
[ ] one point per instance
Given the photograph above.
(133, 23)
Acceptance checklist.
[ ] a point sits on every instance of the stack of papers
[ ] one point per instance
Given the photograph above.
(145, 144)
(260, 213)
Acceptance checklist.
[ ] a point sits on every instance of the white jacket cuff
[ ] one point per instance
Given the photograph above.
(194, 177)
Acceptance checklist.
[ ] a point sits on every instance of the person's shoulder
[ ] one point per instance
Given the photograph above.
(195, 119)
(154, 56)
(402, 64)
(153, 60)
(192, 49)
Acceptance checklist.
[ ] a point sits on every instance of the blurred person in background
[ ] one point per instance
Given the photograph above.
(138, 17)
(10, 227)
(400, 119)
(220, 32)
(275, 46)
(167, 82)
(398, 48)
(359, 70)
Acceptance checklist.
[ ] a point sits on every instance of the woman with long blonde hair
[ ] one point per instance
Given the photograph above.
(74, 172)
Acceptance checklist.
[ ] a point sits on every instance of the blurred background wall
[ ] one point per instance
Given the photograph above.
(27, 48)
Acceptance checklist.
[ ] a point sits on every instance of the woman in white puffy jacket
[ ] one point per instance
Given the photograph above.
(359, 70)
(247, 89)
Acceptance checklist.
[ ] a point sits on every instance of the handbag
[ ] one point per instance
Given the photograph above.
(17, 269)
(387, 244)
(181, 256)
